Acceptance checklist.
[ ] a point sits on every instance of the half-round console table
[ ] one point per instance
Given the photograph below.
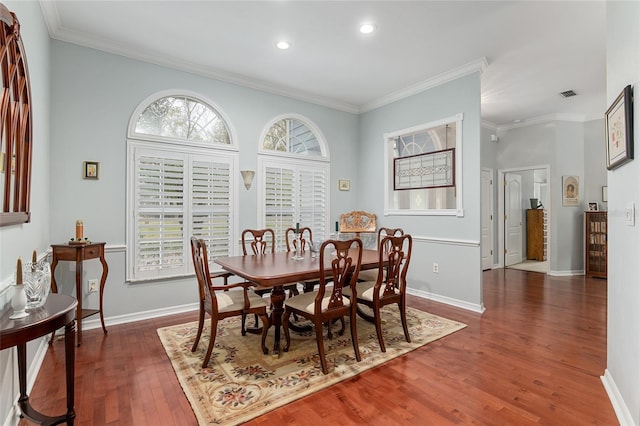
(58, 311)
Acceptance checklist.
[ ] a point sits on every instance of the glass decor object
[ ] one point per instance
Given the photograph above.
(37, 283)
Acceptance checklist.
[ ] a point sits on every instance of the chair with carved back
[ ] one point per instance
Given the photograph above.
(326, 304)
(259, 242)
(222, 302)
(372, 274)
(390, 286)
(306, 240)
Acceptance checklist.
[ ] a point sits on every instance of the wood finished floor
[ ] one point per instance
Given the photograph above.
(534, 357)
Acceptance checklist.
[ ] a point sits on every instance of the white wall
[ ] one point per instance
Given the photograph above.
(20, 240)
(452, 242)
(622, 377)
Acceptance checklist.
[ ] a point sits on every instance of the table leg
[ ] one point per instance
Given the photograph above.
(277, 299)
(70, 363)
(79, 261)
(103, 280)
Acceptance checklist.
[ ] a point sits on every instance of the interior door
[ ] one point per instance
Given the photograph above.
(513, 219)
(487, 219)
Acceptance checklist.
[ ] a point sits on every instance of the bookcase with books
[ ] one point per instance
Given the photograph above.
(596, 244)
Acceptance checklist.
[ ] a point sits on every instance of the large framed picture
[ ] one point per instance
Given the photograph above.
(619, 128)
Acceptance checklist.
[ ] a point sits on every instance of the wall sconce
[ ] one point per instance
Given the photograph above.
(247, 178)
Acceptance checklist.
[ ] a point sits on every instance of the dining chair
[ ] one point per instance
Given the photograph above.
(259, 242)
(306, 239)
(372, 274)
(326, 304)
(223, 304)
(391, 284)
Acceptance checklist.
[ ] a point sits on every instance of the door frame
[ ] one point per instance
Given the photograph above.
(492, 211)
(501, 213)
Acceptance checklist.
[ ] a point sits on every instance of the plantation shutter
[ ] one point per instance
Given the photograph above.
(159, 215)
(211, 205)
(177, 195)
(312, 201)
(279, 202)
(295, 193)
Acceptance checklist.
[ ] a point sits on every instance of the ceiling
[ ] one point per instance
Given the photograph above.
(529, 51)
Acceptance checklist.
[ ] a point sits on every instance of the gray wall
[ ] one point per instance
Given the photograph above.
(20, 240)
(93, 96)
(622, 378)
(452, 242)
(559, 144)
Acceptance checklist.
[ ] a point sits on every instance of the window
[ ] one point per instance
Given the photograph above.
(294, 175)
(423, 173)
(176, 190)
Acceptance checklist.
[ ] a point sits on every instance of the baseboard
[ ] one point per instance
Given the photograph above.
(622, 412)
(94, 322)
(566, 273)
(447, 300)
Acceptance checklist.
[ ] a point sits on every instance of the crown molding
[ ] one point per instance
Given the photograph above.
(543, 119)
(56, 32)
(489, 125)
(479, 65)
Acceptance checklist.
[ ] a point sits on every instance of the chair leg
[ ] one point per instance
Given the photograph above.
(285, 328)
(403, 317)
(200, 327)
(212, 341)
(265, 328)
(376, 318)
(320, 341)
(354, 336)
(243, 330)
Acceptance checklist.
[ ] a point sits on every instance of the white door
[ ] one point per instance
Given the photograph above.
(487, 219)
(513, 219)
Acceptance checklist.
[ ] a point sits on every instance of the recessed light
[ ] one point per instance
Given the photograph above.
(367, 28)
(283, 45)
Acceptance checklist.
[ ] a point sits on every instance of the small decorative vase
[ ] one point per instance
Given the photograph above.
(18, 302)
(37, 281)
(534, 203)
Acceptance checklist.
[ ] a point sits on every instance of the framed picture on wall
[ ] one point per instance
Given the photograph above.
(570, 191)
(619, 130)
(90, 170)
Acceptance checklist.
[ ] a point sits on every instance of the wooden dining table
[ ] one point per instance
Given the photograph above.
(274, 270)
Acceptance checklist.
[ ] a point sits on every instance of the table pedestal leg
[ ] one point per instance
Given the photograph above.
(277, 299)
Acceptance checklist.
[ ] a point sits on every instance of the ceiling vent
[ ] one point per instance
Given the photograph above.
(568, 93)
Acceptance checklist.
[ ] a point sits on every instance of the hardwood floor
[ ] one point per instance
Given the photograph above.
(534, 357)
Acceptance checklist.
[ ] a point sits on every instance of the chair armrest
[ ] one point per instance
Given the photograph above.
(244, 285)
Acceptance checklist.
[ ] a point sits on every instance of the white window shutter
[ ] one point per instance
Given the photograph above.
(211, 203)
(159, 212)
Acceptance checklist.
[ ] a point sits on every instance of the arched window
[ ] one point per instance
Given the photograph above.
(180, 183)
(294, 175)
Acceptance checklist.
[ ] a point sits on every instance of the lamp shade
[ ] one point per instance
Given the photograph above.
(247, 177)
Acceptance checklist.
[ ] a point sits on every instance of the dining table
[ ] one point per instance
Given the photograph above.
(274, 270)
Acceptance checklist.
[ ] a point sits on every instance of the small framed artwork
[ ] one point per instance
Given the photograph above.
(344, 185)
(605, 194)
(91, 170)
(593, 207)
(619, 128)
(570, 191)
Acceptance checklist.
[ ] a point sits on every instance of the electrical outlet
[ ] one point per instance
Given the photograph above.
(93, 286)
(436, 268)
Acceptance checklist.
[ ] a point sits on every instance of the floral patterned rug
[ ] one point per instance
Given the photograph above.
(241, 383)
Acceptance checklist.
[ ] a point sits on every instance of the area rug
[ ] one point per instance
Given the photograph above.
(241, 383)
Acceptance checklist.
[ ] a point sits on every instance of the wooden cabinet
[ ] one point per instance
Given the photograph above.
(596, 244)
(536, 234)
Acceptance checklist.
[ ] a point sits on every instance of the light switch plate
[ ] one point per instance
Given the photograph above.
(630, 214)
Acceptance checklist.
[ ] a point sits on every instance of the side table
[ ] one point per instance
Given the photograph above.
(79, 253)
(58, 311)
